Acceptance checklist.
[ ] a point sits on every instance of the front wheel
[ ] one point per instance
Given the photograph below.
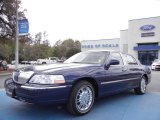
(141, 89)
(81, 99)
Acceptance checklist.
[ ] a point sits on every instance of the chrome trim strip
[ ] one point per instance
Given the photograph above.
(119, 81)
(42, 88)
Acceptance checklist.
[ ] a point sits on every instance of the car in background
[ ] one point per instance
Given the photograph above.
(33, 62)
(24, 62)
(13, 62)
(49, 60)
(156, 64)
(80, 80)
(28, 62)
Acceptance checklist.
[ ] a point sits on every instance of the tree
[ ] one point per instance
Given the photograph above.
(8, 27)
(66, 48)
(33, 48)
(8, 18)
(71, 52)
(5, 52)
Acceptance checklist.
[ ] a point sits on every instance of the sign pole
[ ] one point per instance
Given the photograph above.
(16, 42)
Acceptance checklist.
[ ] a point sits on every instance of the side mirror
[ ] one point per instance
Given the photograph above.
(114, 62)
(111, 62)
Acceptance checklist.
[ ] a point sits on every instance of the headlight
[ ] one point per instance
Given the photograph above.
(47, 79)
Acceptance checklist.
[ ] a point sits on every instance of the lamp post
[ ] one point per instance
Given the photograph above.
(16, 42)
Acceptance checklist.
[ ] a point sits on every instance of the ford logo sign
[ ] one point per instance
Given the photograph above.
(147, 27)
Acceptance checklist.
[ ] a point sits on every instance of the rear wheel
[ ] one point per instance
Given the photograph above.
(81, 99)
(141, 89)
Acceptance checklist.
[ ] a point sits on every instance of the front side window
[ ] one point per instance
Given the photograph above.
(88, 57)
(116, 56)
(130, 60)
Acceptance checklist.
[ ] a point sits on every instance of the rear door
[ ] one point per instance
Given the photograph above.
(134, 71)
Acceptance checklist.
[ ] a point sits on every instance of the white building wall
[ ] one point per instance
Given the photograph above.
(124, 41)
(102, 44)
(159, 52)
(134, 33)
(129, 38)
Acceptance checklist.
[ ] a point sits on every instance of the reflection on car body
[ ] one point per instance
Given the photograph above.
(79, 80)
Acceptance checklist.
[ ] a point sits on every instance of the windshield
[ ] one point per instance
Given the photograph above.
(88, 57)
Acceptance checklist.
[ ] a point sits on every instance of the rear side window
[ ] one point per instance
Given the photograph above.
(116, 56)
(130, 60)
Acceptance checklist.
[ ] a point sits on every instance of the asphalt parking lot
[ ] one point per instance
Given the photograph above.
(124, 106)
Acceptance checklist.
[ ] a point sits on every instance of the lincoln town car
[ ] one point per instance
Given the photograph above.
(80, 80)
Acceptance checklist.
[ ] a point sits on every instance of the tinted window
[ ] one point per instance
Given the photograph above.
(129, 60)
(116, 56)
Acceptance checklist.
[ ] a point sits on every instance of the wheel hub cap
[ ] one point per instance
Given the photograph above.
(143, 85)
(84, 98)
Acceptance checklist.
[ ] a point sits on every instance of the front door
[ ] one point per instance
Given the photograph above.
(115, 76)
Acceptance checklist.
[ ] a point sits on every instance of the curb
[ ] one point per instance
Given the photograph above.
(5, 74)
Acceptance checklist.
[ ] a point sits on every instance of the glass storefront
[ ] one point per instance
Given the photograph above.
(147, 57)
(148, 54)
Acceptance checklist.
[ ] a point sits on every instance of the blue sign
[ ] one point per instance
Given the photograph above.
(147, 27)
(23, 26)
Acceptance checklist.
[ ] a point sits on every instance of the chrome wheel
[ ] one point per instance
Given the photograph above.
(143, 85)
(84, 99)
(141, 89)
(81, 98)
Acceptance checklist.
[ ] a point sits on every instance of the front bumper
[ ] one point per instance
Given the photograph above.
(155, 67)
(38, 94)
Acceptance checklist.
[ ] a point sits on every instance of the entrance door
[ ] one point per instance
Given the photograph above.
(147, 57)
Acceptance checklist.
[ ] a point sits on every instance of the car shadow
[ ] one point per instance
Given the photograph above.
(114, 103)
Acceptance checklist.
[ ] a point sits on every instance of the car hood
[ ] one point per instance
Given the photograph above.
(54, 67)
(22, 75)
(157, 63)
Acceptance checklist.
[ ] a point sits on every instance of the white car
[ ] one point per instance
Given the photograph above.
(156, 64)
(33, 62)
(13, 62)
(49, 60)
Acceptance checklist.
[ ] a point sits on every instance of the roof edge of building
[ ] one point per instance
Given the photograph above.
(101, 39)
(124, 30)
(145, 18)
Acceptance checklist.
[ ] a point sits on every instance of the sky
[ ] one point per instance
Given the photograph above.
(85, 19)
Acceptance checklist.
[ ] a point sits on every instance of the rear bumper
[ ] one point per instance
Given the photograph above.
(37, 94)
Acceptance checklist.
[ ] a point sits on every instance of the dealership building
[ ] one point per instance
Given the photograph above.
(141, 39)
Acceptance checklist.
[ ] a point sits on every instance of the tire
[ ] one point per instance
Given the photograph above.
(141, 89)
(43, 62)
(81, 98)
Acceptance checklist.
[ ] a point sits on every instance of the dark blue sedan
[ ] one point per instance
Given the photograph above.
(80, 80)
